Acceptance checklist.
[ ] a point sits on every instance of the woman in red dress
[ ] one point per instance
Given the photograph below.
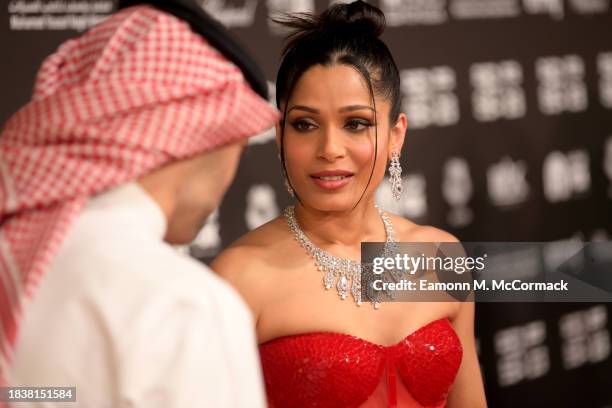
(338, 90)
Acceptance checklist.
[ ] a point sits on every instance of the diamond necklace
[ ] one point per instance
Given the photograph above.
(338, 270)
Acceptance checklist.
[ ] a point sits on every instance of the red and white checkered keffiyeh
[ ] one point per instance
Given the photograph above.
(136, 91)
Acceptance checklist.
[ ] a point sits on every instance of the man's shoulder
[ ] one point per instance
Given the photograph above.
(138, 270)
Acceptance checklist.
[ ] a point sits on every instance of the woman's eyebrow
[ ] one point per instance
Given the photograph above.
(349, 108)
(352, 108)
(303, 108)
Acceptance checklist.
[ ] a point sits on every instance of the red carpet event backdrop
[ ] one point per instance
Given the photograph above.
(509, 106)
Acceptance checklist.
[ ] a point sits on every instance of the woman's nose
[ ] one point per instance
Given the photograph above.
(331, 146)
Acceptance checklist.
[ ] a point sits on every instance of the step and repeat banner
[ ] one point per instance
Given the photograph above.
(509, 106)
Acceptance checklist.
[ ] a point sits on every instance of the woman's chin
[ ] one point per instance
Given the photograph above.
(325, 203)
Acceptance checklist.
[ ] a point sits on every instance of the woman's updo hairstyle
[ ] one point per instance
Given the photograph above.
(344, 34)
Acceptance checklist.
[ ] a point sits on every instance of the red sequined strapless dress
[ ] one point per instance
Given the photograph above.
(327, 369)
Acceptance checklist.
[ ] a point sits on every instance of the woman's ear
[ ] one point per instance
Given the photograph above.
(397, 135)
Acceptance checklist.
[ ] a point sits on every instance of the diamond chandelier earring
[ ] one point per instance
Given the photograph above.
(395, 176)
(288, 187)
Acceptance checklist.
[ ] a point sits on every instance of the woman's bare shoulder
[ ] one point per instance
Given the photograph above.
(264, 235)
(256, 245)
(250, 262)
(409, 231)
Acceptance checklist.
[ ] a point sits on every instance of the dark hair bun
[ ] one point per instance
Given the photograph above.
(356, 16)
(356, 19)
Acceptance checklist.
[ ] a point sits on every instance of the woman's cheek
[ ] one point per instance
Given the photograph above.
(298, 157)
(363, 154)
(381, 166)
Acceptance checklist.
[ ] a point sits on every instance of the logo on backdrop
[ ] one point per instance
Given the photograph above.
(522, 353)
(261, 205)
(604, 66)
(428, 96)
(57, 15)
(507, 183)
(552, 7)
(497, 93)
(589, 6)
(414, 12)
(457, 190)
(240, 14)
(566, 175)
(561, 85)
(484, 9)
(585, 337)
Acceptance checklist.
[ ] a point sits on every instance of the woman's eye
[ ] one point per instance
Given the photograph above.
(302, 125)
(357, 125)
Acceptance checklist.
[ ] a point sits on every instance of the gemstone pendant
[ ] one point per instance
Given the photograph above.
(342, 286)
(328, 280)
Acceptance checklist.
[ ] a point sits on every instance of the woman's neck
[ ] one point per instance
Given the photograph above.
(346, 228)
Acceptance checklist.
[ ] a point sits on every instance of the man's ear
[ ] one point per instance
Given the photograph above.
(397, 135)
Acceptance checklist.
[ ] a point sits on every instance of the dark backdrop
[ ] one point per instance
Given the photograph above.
(509, 105)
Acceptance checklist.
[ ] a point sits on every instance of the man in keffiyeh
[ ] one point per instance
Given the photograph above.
(132, 136)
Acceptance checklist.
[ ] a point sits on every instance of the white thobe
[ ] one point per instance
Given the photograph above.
(131, 322)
